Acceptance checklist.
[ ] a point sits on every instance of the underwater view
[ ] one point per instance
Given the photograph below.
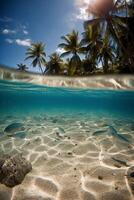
(67, 100)
(79, 142)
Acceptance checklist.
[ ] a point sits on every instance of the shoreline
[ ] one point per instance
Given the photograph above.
(118, 82)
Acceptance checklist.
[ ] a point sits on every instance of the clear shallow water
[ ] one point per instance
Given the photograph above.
(67, 139)
(23, 98)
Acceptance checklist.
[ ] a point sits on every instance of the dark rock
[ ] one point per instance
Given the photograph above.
(5, 193)
(70, 153)
(132, 174)
(13, 169)
(14, 127)
(117, 165)
(100, 177)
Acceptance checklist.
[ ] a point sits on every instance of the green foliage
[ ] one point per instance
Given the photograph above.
(115, 35)
(108, 39)
(36, 52)
(22, 67)
(72, 45)
(54, 65)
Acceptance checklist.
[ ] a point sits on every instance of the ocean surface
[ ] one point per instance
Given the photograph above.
(79, 141)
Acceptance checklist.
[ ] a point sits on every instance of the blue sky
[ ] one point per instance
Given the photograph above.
(26, 21)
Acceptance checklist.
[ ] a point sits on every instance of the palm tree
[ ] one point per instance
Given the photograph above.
(54, 65)
(106, 54)
(108, 14)
(128, 39)
(112, 17)
(98, 49)
(89, 67)
(36, 52)
(131, 8)
(91, 42)
(22, 67)
(72, 46)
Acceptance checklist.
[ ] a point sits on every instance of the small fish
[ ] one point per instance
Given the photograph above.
(61, 130)
(99, 132)
(14, 127)
(58, 135)
(116, 134)
(120, 161)
(21, 135)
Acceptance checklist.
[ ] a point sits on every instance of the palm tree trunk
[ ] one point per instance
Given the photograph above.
(105, 66)
(41, 69)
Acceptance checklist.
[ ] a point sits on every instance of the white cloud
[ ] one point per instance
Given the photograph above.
(8, 40)
(25, 42)
(60, 50)
(82, 6)
(8, 31)
(23, 29)
(20, 42)
(82, 15)
(25, 32)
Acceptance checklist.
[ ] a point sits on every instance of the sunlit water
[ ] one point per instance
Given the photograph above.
(67, 137)
(23, 98)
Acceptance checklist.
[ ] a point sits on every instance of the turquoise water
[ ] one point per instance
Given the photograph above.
(25, 98)
(78, 141)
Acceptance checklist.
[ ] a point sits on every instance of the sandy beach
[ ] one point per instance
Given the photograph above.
(73, 158)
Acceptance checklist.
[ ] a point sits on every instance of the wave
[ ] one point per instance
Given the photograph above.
(117, 82)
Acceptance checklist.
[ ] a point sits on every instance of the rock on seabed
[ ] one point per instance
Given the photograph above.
(13, 169)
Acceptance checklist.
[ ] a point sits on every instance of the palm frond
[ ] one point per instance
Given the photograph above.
(93, 22)
(65, 54)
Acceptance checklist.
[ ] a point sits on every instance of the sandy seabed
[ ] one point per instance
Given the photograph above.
(70, 160)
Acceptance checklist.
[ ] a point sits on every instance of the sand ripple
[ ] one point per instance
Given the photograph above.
(70, 162)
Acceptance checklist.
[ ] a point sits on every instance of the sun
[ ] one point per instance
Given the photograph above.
(99, 7)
